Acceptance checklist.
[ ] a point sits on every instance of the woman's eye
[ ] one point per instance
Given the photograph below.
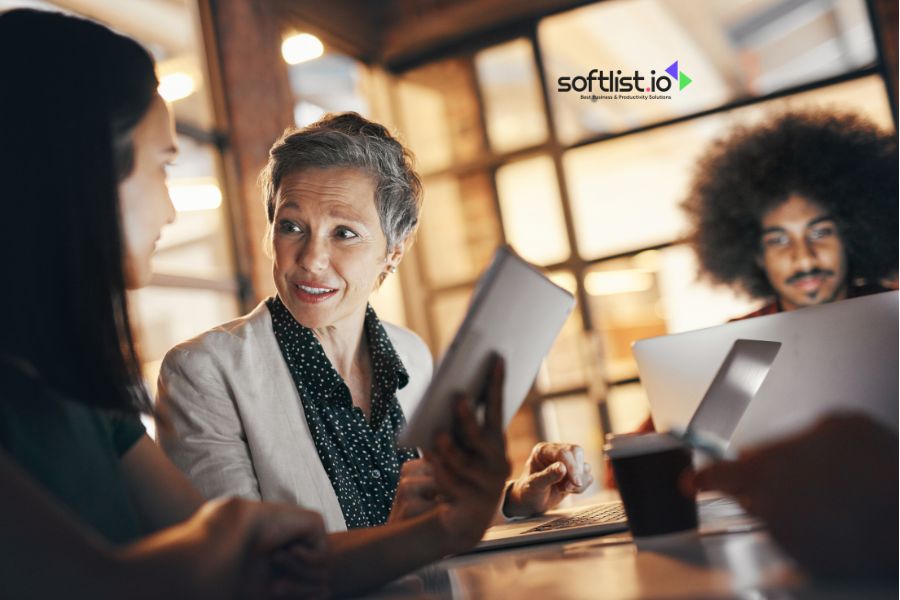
(288, 227)
(346, 234)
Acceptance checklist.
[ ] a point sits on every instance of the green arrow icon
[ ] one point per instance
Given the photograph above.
(683, 80)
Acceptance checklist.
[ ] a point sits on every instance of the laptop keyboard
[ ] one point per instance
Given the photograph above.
(595, 515)
(614, 512)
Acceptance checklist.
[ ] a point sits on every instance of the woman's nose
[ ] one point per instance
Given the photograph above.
(313, 255)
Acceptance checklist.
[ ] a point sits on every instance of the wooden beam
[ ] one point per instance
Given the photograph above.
(258, 104)
(411, 34)
(884, 17)
(351, 27)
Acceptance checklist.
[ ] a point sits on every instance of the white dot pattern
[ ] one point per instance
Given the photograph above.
(361, 457)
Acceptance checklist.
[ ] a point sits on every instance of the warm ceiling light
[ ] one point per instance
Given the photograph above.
(176, 86)
(605, 283)
(301, 48)
(193, 195)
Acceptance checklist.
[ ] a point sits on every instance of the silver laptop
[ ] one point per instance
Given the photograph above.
(834, 357)
(740, 375)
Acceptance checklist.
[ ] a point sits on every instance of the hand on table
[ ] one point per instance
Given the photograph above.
(828, 495)
(278, 550)
(552, 472)
(470, 466)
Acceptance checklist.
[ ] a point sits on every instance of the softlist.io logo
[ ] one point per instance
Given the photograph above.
(614, 85)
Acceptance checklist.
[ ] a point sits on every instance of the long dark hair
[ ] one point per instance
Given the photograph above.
(71, 94)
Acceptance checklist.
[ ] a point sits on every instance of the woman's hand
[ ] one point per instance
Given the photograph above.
(416, 491)
(470, 465)
(259, 550)
(551, 473)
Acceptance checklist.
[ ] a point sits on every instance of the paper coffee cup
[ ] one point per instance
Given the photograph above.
(647, 468)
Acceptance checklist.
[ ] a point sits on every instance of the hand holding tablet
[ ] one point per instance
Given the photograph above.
(517, 313)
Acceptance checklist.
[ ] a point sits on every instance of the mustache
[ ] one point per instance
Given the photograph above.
(813, 273)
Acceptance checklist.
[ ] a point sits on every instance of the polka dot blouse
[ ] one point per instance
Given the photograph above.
(360, 457)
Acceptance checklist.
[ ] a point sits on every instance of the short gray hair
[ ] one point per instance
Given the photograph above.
(350, 140)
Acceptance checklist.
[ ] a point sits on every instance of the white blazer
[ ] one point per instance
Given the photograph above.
(237, 426)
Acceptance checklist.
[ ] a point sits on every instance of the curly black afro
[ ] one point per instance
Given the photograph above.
(840, 161)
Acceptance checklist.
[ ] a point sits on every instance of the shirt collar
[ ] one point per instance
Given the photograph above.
(309, 365)
(384, 355)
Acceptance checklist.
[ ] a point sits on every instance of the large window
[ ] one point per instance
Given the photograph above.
(590, 189)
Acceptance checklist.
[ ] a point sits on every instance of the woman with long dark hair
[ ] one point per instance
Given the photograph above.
(89, 505)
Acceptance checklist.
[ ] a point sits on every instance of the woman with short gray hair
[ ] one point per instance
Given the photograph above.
(302, 399)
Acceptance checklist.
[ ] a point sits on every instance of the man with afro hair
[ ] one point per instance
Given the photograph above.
(799, 211)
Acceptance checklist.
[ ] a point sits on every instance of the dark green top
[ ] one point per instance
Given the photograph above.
(361, 457)
(71, 450)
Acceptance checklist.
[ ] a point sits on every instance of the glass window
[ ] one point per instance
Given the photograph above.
(625, 306)
(711, 52)
(532, 211)
(440, 115)
(166, 316)
(388, 301)
(627, 406)
(564, 367)
(447, 313)
(688, 301)
(196, 244)
(625, 192)
(459, 228)
(329, 83)
(513, 107)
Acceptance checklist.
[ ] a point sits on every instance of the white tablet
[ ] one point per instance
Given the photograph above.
(516, 312)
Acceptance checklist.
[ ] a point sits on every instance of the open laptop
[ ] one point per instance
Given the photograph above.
(740, 375)
(835, 357)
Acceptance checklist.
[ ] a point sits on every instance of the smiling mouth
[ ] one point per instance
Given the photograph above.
(312, 294)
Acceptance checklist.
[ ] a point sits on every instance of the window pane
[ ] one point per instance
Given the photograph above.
(447, 312)
(388, 301)
(166, 316)
(459, 228)
(690, 302)
(564, 366)
(330, 83)
(511, 93)
(729, 50)
(628, 407)
(440, 115)
(625, 192)
(531, 210)
(197, 243)
(625, 306)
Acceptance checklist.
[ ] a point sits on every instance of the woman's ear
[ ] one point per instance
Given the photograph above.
(395, 255)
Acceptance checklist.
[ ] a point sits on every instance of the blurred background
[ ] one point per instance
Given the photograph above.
(589, 191)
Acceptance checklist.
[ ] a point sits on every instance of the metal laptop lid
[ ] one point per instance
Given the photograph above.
(734, 386)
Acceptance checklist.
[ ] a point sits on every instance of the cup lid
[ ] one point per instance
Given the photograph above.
(634, 444)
